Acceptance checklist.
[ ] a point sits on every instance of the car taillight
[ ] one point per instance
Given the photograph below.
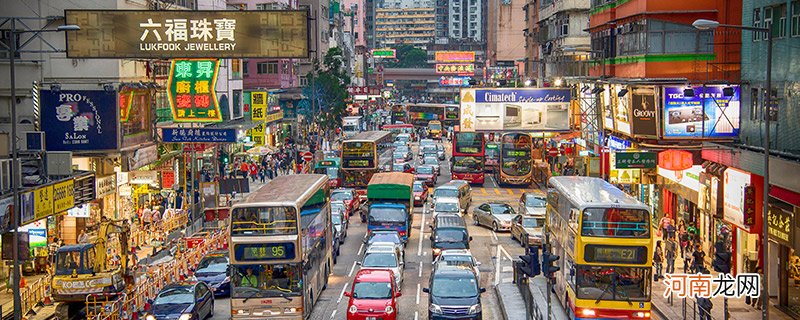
(641, 314)
(402, 233)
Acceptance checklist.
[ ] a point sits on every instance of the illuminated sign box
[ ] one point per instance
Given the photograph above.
(455, 68)
(187, 34)
(384, 53)
(455, 56)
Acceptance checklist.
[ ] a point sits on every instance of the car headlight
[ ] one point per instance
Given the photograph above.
(353, 309)
(475, 309)
(389, 310)
(150, 317)
(416, 197)
(185, 316)
(437, 251)
(434, 308)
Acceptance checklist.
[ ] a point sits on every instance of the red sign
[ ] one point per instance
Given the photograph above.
(675, 160)
(749, 205)
(307, 156)
(553, 152)
(199, 147)
(167, 179)
(372, 91)
(455, 56)
(194, 242)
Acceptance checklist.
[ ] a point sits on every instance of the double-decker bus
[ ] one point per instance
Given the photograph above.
(362, 156)
(515, 159)
(604, 239)
(399, 115)
(468, 154)
(421, 113)
(329, 167)
(280, 248)
(492, 156)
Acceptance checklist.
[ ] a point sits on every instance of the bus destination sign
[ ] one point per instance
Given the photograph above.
(264, 251)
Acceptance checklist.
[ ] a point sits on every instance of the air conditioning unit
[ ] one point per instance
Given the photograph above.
(32, 141)
(59, 163)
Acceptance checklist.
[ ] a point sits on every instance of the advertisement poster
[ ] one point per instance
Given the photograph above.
(622, 114)
(37, 233)
(528, 109)
(79, 120)
(734, 183)
(708, 114)
(643, 111)
(259, 105)
(191, 90)
(6, 205)
(608, 110)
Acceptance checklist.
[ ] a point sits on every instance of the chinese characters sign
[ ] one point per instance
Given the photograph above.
(455, 56)
(530, 109)
(779, 225)
(455, 68)
(79, 120)
(635, 160)
(259, 104)
(708, 286)
(191, 90)
(175, 135)
(372, 91)
(454, 81)
(188, 34)
(383, 53)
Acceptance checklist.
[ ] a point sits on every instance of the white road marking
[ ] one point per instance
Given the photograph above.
(421, 232)
(418, 289)
(360, 248)
(353, 268)
(416, 315)
(420, 269)
(497, 267)
(333, 314)
(502, 249)
(425, 254)
(508, 269)
(494, 235)
(342, 293)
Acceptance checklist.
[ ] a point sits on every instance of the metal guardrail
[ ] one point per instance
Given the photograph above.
(521, 281)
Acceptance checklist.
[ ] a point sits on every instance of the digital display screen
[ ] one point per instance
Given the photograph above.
(357, 163)
(615, 254)
(516, 153)
(467, 150)
(264, 251)
(327, 163)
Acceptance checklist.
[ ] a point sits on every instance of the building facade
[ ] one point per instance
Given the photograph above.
(564, 38)
(532, 47)
(413, 26)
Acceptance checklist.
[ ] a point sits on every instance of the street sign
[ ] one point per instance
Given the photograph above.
(553, 152)
(176, 135)
(636, 160)
(384, 53)
(307, 156)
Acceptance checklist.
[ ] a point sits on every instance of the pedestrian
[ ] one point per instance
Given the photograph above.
(658, 259)
(683, 237)
(156, 219)
(754, 302)
(671, 253)
(253, 171)
(704, 305)
(147, 217)
(698, 259)
(662, 226)
(262, 174)
(244, 169)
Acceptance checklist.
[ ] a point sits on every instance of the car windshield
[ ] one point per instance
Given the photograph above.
(179, 295)
(450, 235)
(457, 260)
(336, 218)
(264, 221)
(454, 287)
(379, 215)
(385, 237)
(398, 155)
(215, 264)
(333, 173)
(402, 149)
(468, 164)
(398, 167)
(435, 126)
(445, 193)
(379, 260)
(502, 208)
(372, 290)
(337, 207)
(446, 207)
(425, 170)
(613, 283)
(341, 195)
(530, 222)
(533, 201)
(267, 281)
(418, 187)
(430, 160)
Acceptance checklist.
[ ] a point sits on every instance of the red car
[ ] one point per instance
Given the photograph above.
(373, 296)
(420, 193)
(349, 197)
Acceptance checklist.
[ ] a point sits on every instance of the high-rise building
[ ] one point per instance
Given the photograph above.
(395, 26)
(562, 25)
(532, 47)
(466, 20)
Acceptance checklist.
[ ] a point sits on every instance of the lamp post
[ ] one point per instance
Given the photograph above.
(703, 24)
(13, 49)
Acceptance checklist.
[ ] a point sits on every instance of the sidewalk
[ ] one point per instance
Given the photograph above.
(512, 301)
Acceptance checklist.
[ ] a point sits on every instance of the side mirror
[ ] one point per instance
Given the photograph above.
(470, 238)
(398, 294)
(426, 290)
(364, 241)
(358, 263)
(348, 294)
(483, 290)
(477, 263)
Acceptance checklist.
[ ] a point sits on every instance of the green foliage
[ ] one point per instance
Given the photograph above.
(409, 57)
(326, 92)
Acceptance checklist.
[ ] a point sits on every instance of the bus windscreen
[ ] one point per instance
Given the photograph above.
(615, 223)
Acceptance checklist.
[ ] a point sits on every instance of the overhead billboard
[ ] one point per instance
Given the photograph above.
(511, 109)
(187, 34)
(455, 56)
(388, 53)
(191, 90)
(79, 120)
(455, 68)
(454, 81)
(709, 113)
(644, 113)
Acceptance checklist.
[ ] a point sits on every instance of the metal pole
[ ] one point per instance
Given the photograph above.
(765, 208)
(15, 173)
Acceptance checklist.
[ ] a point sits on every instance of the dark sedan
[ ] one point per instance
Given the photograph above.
(213, 270)
(183, 301)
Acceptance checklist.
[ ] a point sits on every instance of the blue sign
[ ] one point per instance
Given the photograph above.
(79, 120)
(616, 144)
(529, 95)
(708, 114)
(198, 135)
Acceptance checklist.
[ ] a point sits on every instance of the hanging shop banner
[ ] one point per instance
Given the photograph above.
(167, 179)
(635, 160)
(454, 81)
(259, 105)
(272, 117)
(622, 114)
(79, 120)
(142, 177)
(81, 211)
(736, 183)
(142, 157)
(530, 109)
(63, 196)
(187, 34)
(191, 90)
(37, 232)
(608, 101)
(616, 144)
(710, 113)
(26, 207)
(6, 206)
(643, 112)
(455, 68)
(43, 202)
(779, 225)
(105, 186)
(125, 102)
(84, 191)
(202, 135)
(455, 56)
(388, 53)
(689, 178)
(258, 134)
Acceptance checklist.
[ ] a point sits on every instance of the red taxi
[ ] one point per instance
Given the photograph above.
(420, 190)
(351, 199)
(373, 296)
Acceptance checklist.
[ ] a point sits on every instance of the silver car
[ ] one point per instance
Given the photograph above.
(440, 151)
(494, 215)
(384, 257)
(532, 204)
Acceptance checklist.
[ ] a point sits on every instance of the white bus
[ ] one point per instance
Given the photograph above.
(351, 125)
(280, 248)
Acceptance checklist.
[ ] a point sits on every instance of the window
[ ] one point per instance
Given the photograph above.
(796, 19)
(564, 27)
(244, 66)
(269, 6)
(757, 23)
(780, 15)
(768, 18)
(237, 104)
(236, 69)
(268, 68)
(754, 98)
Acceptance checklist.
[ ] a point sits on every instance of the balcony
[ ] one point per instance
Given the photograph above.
(563, 5)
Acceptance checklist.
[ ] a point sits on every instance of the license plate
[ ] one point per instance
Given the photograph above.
(372, 318)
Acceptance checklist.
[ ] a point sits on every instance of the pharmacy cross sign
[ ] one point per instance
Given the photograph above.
(191, 90)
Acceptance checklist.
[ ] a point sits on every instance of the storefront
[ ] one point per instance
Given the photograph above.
(784, 237)
(679, 194)
(741, 212)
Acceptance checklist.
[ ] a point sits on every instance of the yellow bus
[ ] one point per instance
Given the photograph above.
(280, 248)
(515, 162)
(604, 239)
(363, 155)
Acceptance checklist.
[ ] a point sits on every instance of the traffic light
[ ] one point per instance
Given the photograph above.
(548, 264)
(722, 258)
(223, 157)
(530, 263)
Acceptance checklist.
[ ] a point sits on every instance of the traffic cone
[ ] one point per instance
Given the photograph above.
(47, 301)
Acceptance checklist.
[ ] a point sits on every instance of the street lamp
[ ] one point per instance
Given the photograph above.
(15, 177)
(703, 24)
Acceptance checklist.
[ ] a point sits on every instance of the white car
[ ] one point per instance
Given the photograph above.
(459, 257)
(446, 206)
(384, 257)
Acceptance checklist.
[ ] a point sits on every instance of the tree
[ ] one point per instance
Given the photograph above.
(409, 57)
(325, 93)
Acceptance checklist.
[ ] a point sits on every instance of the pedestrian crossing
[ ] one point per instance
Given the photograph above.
(503, 191)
